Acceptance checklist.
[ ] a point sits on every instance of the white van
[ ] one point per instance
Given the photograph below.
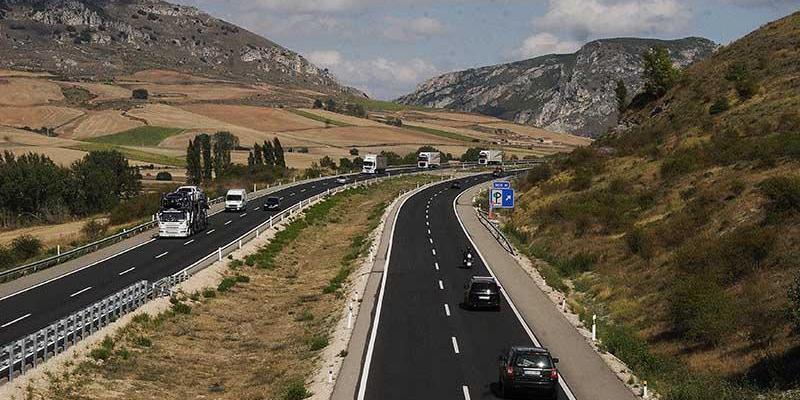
(236, 200)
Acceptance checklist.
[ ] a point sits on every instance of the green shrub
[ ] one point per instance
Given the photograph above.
(306, 315)
(26, 247)
(7, 258)
(318, 343)
(142, 341)
(681, 163)
(209, 293)
(296, 390)
(719, 106)
(234, 264)
(539, 173)
(783, 193)
(137, 208)
(702, 311)
(104, 351)
(729, 257)
(94, 230)
(579, 263)
(140, 94)
(639, 243)
(627, 346)
(164, 176)
(242, 278)
(141, 319)
(227, 284)
(181, 308)
(582, 180)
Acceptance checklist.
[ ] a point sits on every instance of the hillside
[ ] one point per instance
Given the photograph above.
(571, 93)
(681, 227)
(68, 37)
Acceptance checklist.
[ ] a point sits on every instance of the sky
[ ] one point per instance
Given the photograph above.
(388, 47)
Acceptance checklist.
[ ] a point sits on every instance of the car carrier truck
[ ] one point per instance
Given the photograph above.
(374, 164)
(429, 159)
(183, 212)
(490, 157)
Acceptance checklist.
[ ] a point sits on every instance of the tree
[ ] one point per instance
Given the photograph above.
(224, 142)
(269, 154)
(622, 96)
(327, 162)
(354, 151)
(257, 155)
(251, 162)
(194, 168)
(205, 149)
(280, 160)
(392, 158)
(471, 155)
(101, 179)
(330, 105)
(31, 183)
(140, 94)
(659, 74)
(318, 103)
(345, 165)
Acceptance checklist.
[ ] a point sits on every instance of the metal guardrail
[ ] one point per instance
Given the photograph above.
(495, 231)
(60, 335)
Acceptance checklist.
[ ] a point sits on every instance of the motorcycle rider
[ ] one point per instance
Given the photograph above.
(469, 258)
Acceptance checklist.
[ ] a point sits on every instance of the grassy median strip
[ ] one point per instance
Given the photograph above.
(258, 333)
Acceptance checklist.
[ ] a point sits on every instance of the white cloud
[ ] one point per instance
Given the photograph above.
(380, 77)
(409, 30)
(544, 43)
(761, 3)
(585, 19)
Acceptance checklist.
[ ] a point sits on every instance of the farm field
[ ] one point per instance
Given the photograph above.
(98, 123)
(144, 136)
(258, 118)
(38, 116)
(28, 92)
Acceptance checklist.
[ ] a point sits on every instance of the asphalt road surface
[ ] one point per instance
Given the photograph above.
(35, 308)
(427, 346)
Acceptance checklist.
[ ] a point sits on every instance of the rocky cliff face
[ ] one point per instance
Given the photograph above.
(101, 39)
(572, 93)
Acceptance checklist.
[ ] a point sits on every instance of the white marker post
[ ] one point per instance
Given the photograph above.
(350, 317)
(594, 327)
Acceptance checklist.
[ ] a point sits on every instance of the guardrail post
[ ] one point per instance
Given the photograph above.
(10, 350)
(35, 347)
(240, 244)
(46, 344)
(22, 359)
(270, 222)
(257, 233)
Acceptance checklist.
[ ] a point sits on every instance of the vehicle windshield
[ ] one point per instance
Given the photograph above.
(483, 286)
(234, 197)
(172, 216)
(185, 190)
(273, 201)
(368, 164)
(533, 360)
(422, 158)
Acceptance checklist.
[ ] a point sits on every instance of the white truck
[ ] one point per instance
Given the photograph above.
(182, 213)
(374, 164)
(429, 160)
(236, 200)
(490, 157)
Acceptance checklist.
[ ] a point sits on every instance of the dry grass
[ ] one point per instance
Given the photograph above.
(363, 136)
(196, 92)
(163, 76)
(534, 132)
(460, 117)
(342, 117)
(37, 116)
(104, 92)
(28, 92)
(248, 342)
(98, 123)
(258, 118)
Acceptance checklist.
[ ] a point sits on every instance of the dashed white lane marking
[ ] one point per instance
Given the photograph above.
(81, 291)
(455, 344)
(433, 251)
(162, 254)
(427, 223)
(228, 223)
(291, 194)
(189, 242)
(302, 190)
(281, 198)
(441, 285)
(126, 271)
(210, 232)
(429, 231)
(431, 240)
(242, 216)
(436, 264)
(9, 323)
(447, 310)
(313, 187)
(256, 209)
(466, 392)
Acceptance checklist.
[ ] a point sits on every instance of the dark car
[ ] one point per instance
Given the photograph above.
(498, 172)
(482, 292)
(455, 185)
(272, 203)
(528, 370)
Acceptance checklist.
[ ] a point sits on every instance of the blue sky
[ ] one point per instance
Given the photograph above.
(388, 47)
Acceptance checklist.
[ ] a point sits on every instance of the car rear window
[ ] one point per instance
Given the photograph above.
(484, 286)
(533, 360)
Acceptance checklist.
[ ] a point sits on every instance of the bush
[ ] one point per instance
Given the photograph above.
(26, 247)
(579, 263)
(623, 343)
(142, 341)
(104, 351)
(137, 208)
(639, 243)
(7, 259)
(209, 293)
(242, 278)
(783, 193)
(140, 94)
(164, 176)
(681, 163)
(729, 257)
(582, 180)
(702, 311)
(94, 230)
(318, 343)
(181, 308)
(296, 390)
(354, 151)
(226, 284)
(719, 106)
(539, 173)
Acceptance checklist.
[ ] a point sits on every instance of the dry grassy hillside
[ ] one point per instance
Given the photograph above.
(681, 229)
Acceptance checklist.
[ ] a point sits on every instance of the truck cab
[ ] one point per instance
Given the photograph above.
(490, 157)
(236, 200)
(429, 160)
(373, 164)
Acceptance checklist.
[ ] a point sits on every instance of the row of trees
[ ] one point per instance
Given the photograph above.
(270, 155)
(354, 109)
(33, 187)
(209, 156)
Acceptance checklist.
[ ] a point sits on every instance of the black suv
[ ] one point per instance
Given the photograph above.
(528, 370)
(482, 292)
(272, 203)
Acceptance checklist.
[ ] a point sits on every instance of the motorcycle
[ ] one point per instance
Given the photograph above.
(468, 260)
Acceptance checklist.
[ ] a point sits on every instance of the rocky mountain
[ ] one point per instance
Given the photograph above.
(101, 39)
(571, 93)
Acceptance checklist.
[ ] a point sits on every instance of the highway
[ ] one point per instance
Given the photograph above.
(38, 306)
(424, 345)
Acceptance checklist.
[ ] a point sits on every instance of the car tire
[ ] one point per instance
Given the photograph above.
(504, 391)
(554, 395)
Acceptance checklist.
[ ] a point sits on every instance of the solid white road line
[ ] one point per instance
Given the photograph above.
(80, 291)
(77, 270)
(564, 386)
(210, 232)
(126, 271)
(162, 254)
(441, 285)
(447, 310)
(455, 344)
(466, 392)
(228, 223)
(436, 264)
(9, 323)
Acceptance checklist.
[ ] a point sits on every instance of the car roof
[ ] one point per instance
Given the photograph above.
(529, 349)
(486, 279)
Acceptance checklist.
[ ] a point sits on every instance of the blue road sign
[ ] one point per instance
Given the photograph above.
(501, 185)
(501, 198)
